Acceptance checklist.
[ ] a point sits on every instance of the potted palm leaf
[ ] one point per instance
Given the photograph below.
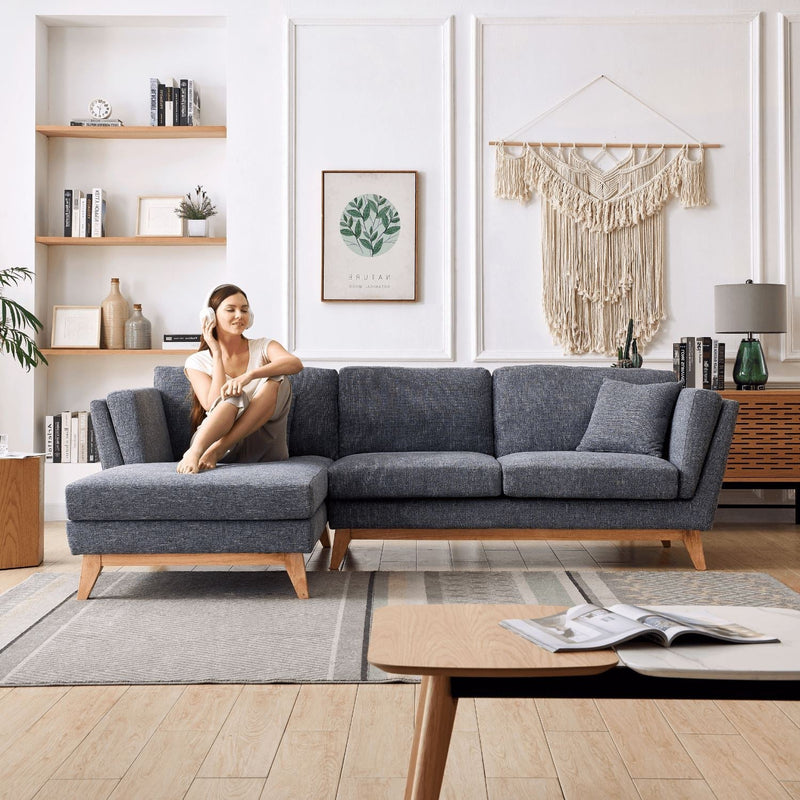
(15, 320)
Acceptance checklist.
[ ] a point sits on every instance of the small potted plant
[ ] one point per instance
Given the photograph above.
(15, 319)
(196, 210)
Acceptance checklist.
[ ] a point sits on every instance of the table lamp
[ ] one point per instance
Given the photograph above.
(750, 308)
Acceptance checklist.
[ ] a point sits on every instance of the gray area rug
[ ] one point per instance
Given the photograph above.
(248, 626)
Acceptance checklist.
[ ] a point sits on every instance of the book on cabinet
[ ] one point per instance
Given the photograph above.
(699, 362)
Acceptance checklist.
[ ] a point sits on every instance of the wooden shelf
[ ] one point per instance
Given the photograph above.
(134, 132)
(126, 241)
(96, 351)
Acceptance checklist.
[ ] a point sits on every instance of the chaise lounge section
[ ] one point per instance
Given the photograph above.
(526, 452)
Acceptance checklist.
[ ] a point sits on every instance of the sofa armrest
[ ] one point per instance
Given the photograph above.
(140, 425)
(106, 438)
(694, 421)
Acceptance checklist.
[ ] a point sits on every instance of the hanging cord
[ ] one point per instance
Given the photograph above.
(583, 88)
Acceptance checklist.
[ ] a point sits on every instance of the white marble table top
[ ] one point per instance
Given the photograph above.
(720, 660)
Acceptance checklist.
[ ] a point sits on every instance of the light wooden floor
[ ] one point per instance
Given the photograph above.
(345, 742)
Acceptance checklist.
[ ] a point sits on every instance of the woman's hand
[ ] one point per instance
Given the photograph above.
(208, 335)
(233, 387)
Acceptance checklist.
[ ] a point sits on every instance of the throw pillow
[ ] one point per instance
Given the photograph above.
(631, 418)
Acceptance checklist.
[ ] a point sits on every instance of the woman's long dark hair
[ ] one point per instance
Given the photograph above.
(216, 299)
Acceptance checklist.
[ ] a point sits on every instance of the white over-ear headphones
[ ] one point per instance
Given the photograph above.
(208, 314)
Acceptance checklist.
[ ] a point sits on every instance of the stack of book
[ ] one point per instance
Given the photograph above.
(85, 212)
(181, 341)
(69, 438)
(699, 361)
(96, 123)
(174, 102)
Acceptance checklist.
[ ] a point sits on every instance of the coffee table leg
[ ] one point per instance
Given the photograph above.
(436, 712)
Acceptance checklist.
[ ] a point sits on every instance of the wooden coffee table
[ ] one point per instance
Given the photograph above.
(461, 651)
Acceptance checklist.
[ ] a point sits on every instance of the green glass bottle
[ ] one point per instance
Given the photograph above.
(750, 367)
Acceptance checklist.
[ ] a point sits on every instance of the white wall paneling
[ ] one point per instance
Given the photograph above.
(789, 131)
(702, 72)
(370, 95)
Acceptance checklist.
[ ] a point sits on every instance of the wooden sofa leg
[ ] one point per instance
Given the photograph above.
(341, 540)
(325, 537)
(296, 568)
(694, 545)
(91, 567)
(666, 542)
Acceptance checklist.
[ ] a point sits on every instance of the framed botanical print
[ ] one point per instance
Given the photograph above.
(369, 235)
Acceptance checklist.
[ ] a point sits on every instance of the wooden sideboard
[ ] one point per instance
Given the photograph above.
(21, 512)
(766, 442)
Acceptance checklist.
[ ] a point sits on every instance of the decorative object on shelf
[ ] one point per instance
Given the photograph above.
(629, 355)
(369, 235)
(614, 216)
(196, 211)
(99, 108)
(137, 330)
(750, 308)
(15, 319)
(155, 217)
(115, 315)
(76, 326)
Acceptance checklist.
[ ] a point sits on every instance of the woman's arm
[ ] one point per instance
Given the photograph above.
(281, 362)
(207, 387)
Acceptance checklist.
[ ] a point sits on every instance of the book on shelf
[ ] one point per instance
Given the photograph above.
(68, 212)
(699, 361)
(591, 627)
(96, 123)
(98, 212)
(181, 341)
(174, 102)
(70, 438)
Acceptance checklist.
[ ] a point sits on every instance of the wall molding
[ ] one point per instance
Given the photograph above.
(752, 20)
(446, 221)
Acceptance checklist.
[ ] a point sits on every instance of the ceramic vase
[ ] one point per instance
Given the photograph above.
(114, 314)
(137, 330)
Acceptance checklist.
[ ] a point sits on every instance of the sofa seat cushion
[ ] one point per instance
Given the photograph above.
(416, 474)
(601, 476)
(292, 489)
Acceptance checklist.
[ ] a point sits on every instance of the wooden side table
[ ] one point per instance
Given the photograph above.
(765, 450)
(21, 512)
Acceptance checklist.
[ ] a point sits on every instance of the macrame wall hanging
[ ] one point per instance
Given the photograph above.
(602, 230)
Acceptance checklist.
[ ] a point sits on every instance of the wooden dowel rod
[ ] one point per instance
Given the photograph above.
(634, 145)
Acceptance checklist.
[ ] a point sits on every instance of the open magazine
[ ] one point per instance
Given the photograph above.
(590, 627)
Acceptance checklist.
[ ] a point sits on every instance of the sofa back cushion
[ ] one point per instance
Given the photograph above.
(140, 425)
(548, 406)
(313, 417)
(403, 409)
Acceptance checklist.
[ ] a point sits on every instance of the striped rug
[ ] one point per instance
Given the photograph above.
(248, 627)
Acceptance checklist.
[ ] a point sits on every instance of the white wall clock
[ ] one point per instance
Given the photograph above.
(100, 109)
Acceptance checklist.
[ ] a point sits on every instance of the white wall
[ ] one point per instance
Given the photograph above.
(306, 86)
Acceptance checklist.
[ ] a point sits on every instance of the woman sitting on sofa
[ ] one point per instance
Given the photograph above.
(240, 397)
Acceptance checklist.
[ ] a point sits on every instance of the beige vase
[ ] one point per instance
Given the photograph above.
(115, 312)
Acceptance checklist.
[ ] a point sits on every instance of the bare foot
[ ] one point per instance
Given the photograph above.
(190, 462)
(209, 459)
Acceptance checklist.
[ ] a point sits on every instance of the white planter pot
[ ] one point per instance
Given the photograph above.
(197, 227)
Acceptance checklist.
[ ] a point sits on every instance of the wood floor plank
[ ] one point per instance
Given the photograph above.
(645, 740)
(773, 736)
(77, 790)
(673, 790)
(379, 744)
(323, 707)
(308, 764)
(589, 765)
(695, 716)
(512, 739)
(791, 709)
(731, 768)
(247, 743)
(201, 708)
(32, 759)
(792, 788)
(559, 714)
(524, 789)
(116, 741)
(20, 708)
(463, 773)
(225, 789)
(166, 766)
(371, 789)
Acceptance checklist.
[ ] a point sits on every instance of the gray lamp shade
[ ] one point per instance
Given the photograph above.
(750, 308)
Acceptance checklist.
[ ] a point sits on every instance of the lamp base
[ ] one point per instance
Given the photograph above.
(750, 368)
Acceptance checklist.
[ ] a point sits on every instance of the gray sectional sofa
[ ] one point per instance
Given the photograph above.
(535, 451)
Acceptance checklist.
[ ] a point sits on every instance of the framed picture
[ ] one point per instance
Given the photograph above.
(76, 326)
(369, 235)
(157, 217)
